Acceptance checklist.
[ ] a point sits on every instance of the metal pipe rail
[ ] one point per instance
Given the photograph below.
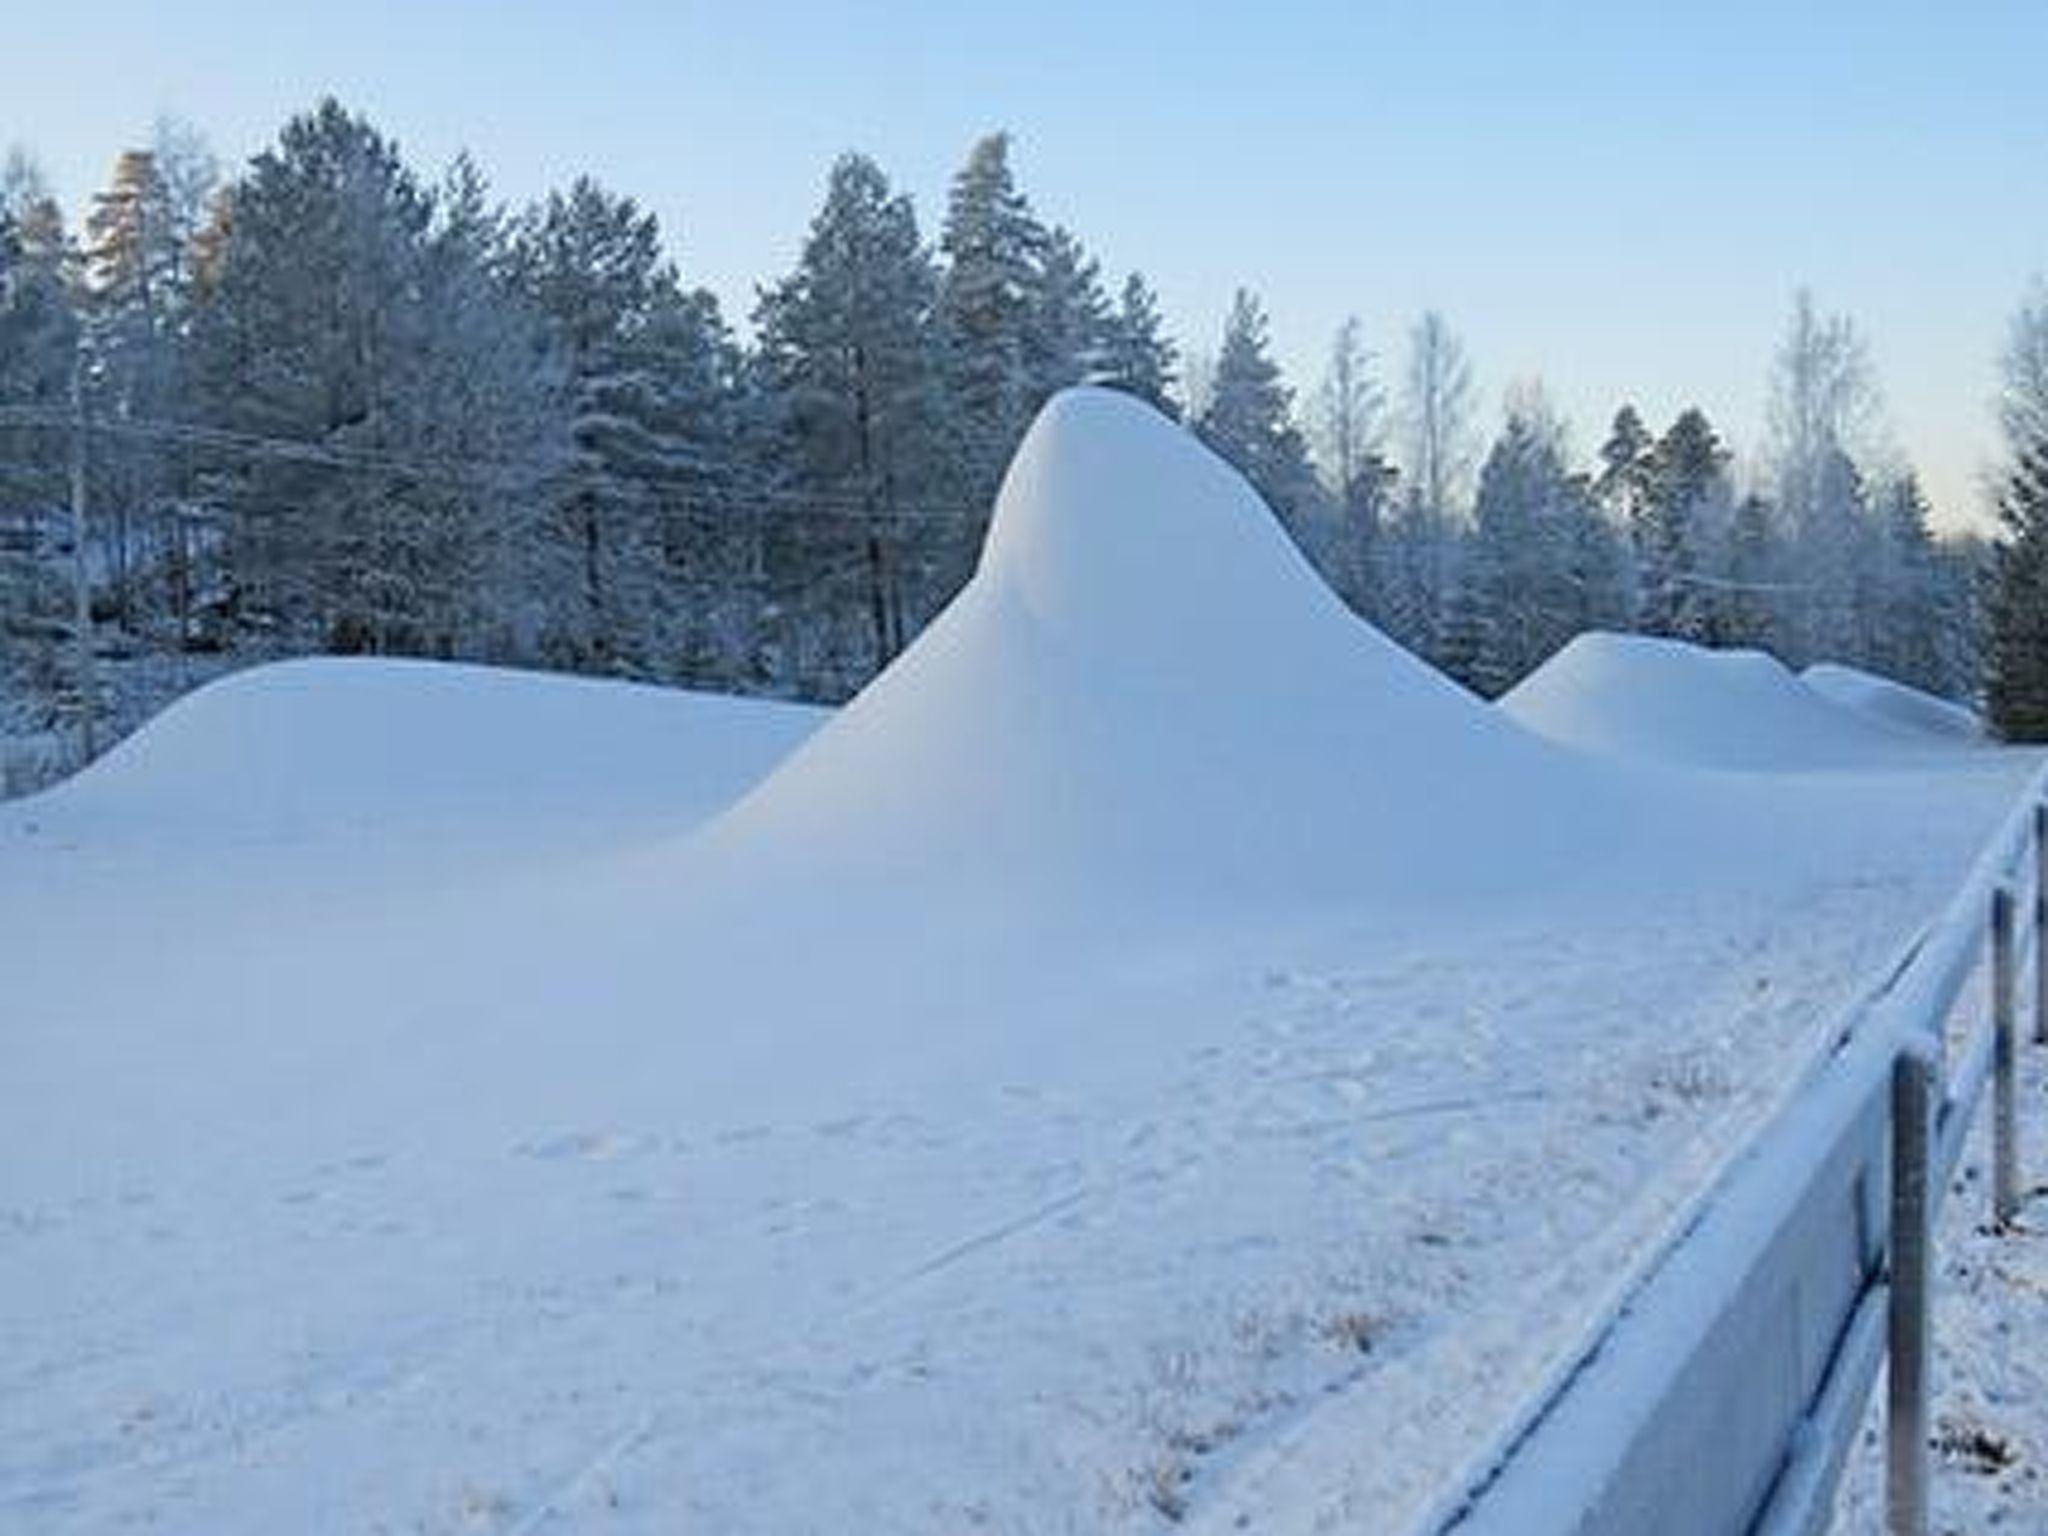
(1723, 1396)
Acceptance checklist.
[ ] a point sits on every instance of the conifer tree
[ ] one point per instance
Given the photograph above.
(329, 321)
(992, 246)
(1680, 517)
(1138, 356)
(1543, 564)
(590, 263)
(849, 365)
(1069, 330)
(2016, 649)
(1249, 421)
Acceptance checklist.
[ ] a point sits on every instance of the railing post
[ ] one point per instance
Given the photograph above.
(1906, 1422)
(2005, 1157)
(2041, 923)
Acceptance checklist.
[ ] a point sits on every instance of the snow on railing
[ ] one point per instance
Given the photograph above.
(1722, 1397)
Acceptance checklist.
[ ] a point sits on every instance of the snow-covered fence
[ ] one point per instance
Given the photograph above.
(1722, 1398)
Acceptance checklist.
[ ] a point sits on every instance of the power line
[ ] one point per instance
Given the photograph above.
(468, 469)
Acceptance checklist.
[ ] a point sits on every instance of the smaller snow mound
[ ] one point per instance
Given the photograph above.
(1894, 703)
(301, 749)
(1665, 700)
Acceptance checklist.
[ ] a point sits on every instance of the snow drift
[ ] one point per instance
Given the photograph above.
(1894, 703)
(364, 748)
(1636, 696)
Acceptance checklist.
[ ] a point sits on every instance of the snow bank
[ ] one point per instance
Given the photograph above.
(312, 748)
(1894, 703)
(1635, 696)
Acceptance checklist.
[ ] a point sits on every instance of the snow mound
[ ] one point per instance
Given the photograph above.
(1894, 703)
(1636, 696)
(1145, 685)
(306, 748)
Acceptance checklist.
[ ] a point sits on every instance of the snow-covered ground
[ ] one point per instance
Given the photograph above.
(1161, 1053)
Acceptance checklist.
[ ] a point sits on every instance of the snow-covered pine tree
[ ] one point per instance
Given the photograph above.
(1754, 574)
(2016, 643)
(1069, 330)
(137, 299)
(1543, 565)
(480, 397)
(1138, 356)
(590, 262)
(1909, 608)
(850, 369)
(1622, 485)
(1249, 421)
(993, 248)
(333, 318)
(1681, 518)
(38, 343)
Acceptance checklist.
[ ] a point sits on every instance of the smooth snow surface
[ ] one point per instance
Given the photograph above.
(1893, 702)
(1636, 696)
(1159, 1053)
(334, 747)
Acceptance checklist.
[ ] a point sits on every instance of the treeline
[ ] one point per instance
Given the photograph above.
(329, 405)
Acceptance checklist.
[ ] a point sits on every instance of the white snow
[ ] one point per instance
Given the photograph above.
(1883, 698)
(1159, 1049)
(1641, 697)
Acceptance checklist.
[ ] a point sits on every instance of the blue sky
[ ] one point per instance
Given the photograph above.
(1618, 198)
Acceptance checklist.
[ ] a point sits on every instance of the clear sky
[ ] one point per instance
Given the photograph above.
(1618, 198)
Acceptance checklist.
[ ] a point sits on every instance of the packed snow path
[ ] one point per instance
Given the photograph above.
(1159, 1054)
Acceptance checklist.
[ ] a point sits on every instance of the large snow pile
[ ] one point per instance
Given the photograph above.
(1894, 703)
(1636, 696)
(370, 749)
(1145, 690)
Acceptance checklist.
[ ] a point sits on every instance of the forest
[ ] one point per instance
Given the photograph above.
(330, 404)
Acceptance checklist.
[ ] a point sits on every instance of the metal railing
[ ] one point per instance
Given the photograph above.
(1724, 1395)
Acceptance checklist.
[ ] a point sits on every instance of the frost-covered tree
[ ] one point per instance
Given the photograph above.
(138, 305)
(1822, 404)
(1680, 523)
(590, 262)
(1418, 571)
(1918, 603)
(2016, 647)
(1350, 432)
(1622, 484)
(1249, 421)
(849, 363)
(387, 393)
(1543, 564)
(39, 676)
(992, 247)
(1138, 356)
(1069, 330)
